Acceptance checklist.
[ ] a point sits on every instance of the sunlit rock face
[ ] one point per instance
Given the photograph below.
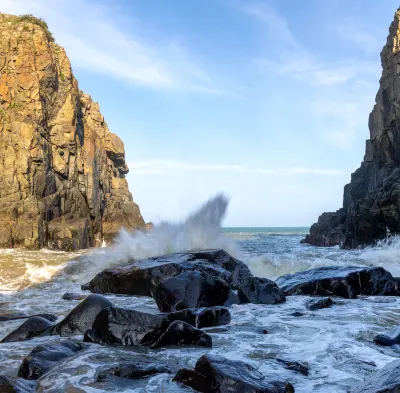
(62, 172)
(371, 202)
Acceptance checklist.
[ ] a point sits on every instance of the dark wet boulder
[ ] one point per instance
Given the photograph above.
(44, 357)
(193, 289)
(385, 380)
(16, 385)
(294, 366)
(231, 376)
(297, 314)
(260, 291)
(202, 317)
(126, 327)
(73, 296)
(318, 304)
(13, 316)
(33, 327)
(134, 370)
(81, 318)
(390, 338)
(194, 380)
(180, 334)
(347, 282)
(139, 278)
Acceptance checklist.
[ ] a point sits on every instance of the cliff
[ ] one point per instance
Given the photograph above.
(62, 172)
(371, 202)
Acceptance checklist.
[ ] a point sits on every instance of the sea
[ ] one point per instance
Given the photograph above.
(335, 343)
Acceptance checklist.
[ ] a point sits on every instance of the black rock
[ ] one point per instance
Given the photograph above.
(202, 317)
(390, 338)
(231, 376)
(13, 316)
(295, 366)
(192, 289)
(134, 370)
(347, 282)
(297, 314)
(194, 380)
(73, 296)
(385, 380)
(16, 385)
(140, 277)
(260, 291)
(81, 318)
(126, 327)
(181, 333)
(44, 357)
(33, 327)
(317, 304)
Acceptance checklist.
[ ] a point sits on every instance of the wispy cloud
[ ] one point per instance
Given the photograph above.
(95, 41)
(175, 167)
(367, 41)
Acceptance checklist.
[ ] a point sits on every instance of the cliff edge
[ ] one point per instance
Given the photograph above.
(62, 172)
(371, 201)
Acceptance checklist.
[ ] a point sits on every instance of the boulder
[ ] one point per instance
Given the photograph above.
(33, 327)
(134, 370)
(139, 278)
(126, 327)
(390, 338)
(180, 334)
(260, 291)
(192, 289)
(347, 282)
(44, 357)
(73, 296)
(16, 385)
(13, 316)
(202, 317)
(229, 376)
(295, 366)
(385, 380)
(317, 304)
(81, 318)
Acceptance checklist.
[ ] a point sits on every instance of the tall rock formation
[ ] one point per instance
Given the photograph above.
(371, 202)
(62, 172)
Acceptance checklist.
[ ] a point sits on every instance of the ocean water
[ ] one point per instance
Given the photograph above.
(336, 343)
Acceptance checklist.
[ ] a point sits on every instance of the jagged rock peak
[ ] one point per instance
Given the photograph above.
(62, 172)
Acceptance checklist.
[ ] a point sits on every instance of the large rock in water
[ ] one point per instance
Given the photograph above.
(141, 277)
(218, 374)
(347, 282)
(33, 327)
(385, 380)
(260, 291)
(16, 385)
(62, 172)
(202, 317)
(371, 202)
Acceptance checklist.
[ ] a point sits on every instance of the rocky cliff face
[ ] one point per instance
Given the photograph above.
(62, 172)
(371, 202)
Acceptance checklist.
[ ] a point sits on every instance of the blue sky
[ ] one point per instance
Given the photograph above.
(267, 101)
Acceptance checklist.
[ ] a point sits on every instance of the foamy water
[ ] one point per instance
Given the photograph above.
(336, 343)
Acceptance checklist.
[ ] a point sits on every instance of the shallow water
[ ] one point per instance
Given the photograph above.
(336, 343)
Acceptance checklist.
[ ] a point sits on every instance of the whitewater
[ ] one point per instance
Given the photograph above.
(336, 343)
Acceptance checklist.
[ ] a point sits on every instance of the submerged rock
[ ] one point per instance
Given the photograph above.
(202, 317)
(318, 304)
(44, 357)
(390, 338)
(181, 333)
(13, 316)
(139, 278)
(385, 380)
(126, 327)
(346, 282)
(229, 376)
(81, 318)
(135, 370)
(16, 385)
(192, 289)
(73, 296)
(260, 291)
(295, 366)
(33, 327)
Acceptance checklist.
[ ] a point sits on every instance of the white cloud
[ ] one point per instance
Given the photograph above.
(367, 41)
(95, 41)
(175, 167)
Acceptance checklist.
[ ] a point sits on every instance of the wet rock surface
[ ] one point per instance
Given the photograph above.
(192, 290)
(73, 296)
(44, 357)
(260, 291)
(392, 337)
(346, 282)
(202, 317)
(82, 317)
(13, 316)
(33, 327)
(16, 385)
(294, 366)
(318, 304)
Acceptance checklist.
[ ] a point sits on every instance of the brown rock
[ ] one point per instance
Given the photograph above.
(62, 172)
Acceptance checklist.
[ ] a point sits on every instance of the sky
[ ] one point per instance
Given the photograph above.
(266, 101)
